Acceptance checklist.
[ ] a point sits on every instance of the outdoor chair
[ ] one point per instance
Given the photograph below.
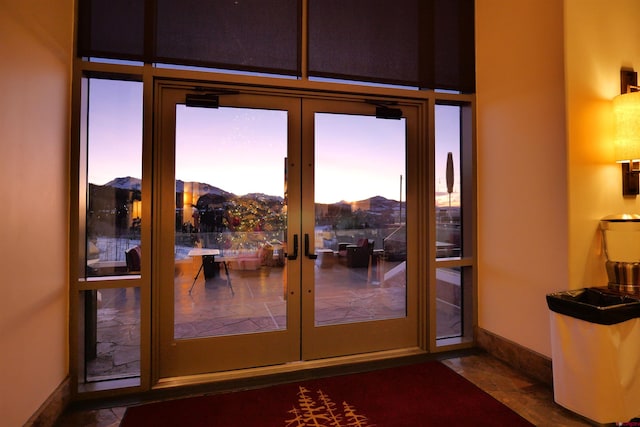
(358, 255)
(132, 256)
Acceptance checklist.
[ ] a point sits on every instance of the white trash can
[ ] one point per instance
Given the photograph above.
(595, 344)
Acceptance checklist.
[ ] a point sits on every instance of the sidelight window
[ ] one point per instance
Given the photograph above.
(108, 308)
(114, 172)
(453, 206)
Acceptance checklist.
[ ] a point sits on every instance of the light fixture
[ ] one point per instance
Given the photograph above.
(626, 107)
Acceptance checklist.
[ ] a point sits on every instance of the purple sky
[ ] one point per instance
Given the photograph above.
(242, 150)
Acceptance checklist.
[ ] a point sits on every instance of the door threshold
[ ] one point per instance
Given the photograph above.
(293, 371)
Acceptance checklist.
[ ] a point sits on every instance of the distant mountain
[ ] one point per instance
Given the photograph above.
(203, 188)
(131, 183)
(382, 202)
(125, 183)
(376, 203)
(263, 197)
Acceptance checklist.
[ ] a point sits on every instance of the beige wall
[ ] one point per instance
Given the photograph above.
(601, 37)
(35, 47)
(522, 167)
(547, 71)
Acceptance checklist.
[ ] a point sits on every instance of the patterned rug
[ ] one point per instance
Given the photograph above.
(425, 394)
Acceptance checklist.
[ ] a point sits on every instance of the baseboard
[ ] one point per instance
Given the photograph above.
(521, 358)
(53, 407)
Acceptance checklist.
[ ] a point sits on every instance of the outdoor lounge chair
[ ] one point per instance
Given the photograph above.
(358, 255)
(132, 256)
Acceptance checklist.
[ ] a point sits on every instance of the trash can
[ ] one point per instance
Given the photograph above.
(595, 345)
(210, 266)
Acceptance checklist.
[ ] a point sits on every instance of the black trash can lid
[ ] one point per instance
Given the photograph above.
(599, 305)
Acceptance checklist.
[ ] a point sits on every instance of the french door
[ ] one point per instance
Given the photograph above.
(282, 232)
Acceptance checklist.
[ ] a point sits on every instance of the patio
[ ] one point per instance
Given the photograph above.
(343, 295)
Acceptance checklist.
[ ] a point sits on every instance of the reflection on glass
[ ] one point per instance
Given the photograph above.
(230, 221)
(114, 169)
(112, 334)
(360, 233)
(447, 181)
(448, 303)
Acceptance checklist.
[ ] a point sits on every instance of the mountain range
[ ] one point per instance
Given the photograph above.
(131, 183)
(376, 203)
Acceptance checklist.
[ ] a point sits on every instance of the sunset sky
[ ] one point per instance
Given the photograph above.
(242, 150)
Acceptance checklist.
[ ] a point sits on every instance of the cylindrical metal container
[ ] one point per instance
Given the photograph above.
(621, 238)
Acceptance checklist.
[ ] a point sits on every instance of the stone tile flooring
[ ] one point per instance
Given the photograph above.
(209, 307)
(532, 400)
(529, 398)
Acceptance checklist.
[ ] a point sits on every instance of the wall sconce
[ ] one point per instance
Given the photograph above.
(626, 107)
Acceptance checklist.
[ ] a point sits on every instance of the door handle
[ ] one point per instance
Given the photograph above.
(295, 249)
(306, 248)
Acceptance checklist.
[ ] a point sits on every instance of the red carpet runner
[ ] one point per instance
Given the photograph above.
(426, 394)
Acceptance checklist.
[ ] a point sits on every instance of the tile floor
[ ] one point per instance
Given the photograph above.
(532, 400)
(253, 302)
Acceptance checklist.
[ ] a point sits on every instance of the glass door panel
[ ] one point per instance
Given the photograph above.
(360, 237)
(231, 221)
(364, 295)
(226, 298)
